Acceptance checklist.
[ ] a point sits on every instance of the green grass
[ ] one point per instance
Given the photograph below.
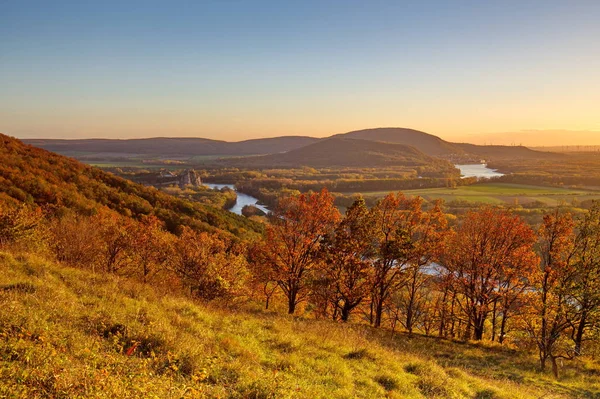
(65, 333)
(500, 193)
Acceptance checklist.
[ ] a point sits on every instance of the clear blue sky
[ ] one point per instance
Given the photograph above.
(241, 69)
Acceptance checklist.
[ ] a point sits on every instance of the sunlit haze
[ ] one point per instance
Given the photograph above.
(508, 72)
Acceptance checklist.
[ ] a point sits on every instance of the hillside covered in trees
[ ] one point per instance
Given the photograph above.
(345, 152)
(38, 177)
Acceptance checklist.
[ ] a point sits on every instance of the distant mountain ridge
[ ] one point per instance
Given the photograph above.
(426, 143)
(175, 145)
(343, 152)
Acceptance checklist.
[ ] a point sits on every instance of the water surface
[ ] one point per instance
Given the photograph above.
(242, 199)
(477, 170)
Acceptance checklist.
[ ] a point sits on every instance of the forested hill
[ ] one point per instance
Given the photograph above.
(344, 152)
(36, 176)
(425, 142)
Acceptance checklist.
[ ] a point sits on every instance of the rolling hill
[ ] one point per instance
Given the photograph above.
(173, 146)
(343, 152)
(498, 152)
(425, 142)
(36, 176)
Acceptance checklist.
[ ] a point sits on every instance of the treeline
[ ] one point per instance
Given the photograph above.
(491, 276)
(574, 170)
(269, 190)
(205, 265)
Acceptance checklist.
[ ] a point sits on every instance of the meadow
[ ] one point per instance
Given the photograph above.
(501, 194)
(69, 333)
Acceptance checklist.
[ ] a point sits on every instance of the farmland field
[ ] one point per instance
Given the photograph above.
(501, 193)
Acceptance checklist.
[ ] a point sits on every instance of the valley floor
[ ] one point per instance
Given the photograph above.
(67, 333)
(502, 194)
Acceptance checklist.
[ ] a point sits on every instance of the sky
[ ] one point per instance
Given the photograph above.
(525, 72)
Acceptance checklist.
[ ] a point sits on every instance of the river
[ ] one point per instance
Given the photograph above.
(474, 170)
(477, 170)
(242, 199)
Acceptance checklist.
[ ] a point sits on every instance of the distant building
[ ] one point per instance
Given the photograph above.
(189, 177)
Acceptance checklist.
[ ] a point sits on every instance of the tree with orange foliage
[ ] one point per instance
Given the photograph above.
(488, 245)
(393, 217)
(547, 318)
(428, 231)
(19, 224)
(208, 265)
(586, 287)
(151, 246)
(293, 241)
(116, 241)
(348, 255)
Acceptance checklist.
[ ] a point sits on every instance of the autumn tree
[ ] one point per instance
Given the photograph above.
(293, 240)
(208, 265)
(115, 240)
(427, 231)
(487, 245)
(262, 276)
(348, 254)
(392, 217)
(548, 316)
(19, 224)
(151, 247)
(74, 240)
(586, 284)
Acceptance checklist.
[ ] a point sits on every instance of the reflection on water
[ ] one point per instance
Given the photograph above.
(242, 199)
(477, 170)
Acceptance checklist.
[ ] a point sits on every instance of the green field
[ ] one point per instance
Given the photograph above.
(501, 193)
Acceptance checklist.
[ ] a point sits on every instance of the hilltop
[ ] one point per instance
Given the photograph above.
(36, 176)
(344, 152)
(425, 142)
(71, 333)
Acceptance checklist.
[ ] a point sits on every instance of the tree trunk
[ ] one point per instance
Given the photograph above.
(494, 321)
(378, 313)
(543, 358)
(292, 301)
(579, 334)
(554, 367)
(409, 320)
(503, 327)
(346, 312)
(442, 327)
(478, 332)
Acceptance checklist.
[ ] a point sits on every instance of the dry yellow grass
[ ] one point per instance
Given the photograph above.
(66, 333)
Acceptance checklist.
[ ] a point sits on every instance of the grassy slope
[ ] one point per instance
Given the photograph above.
(501, 193)
(62, 335)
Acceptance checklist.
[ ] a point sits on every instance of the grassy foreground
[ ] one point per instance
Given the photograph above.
(66, 333)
